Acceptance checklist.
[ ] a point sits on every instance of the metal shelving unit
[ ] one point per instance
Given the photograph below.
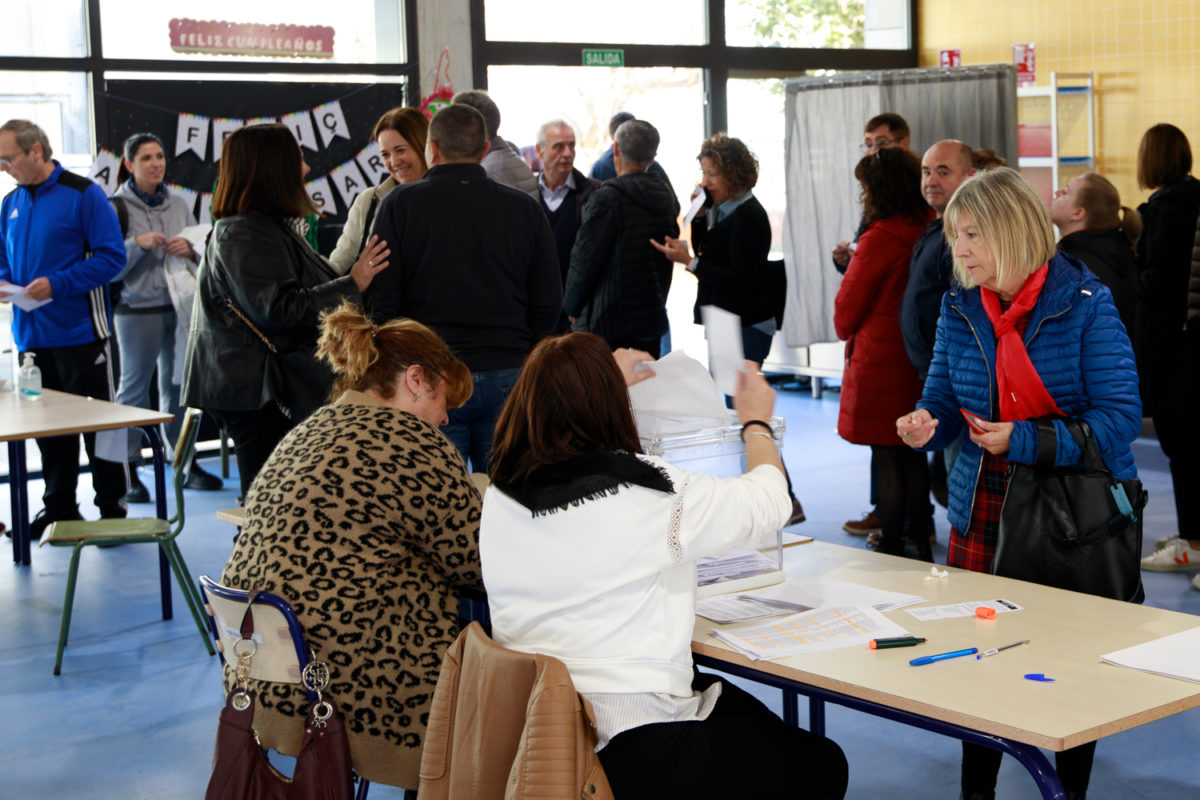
(1064, 84)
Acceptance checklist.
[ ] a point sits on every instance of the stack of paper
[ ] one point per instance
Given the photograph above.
(1175, 656)
(800, 595)
(737, 563)
(810, 632)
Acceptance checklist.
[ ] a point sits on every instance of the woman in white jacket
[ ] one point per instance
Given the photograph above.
(589, 555)
(400, 134)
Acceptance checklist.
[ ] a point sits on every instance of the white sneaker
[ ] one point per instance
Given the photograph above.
(1196, 582)
(1163, 541)
(1176, 556)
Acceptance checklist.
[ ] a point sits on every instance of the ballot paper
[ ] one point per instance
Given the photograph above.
(697, 203)
(736, 608)
(966, 609)
(737, 563)
(803, 594)
(11, 293)
(1174, 656)
(810, 632)
(680, 398)
(726, 359)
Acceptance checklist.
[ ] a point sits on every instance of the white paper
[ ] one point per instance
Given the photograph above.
(805, 593)
(726, 359)
(1174, 656)
(735, 608)
(740, 562)
(348, 181)
(104, 170)
(680, 399)
(811, 632)
(966, 609)
(320, 195)
(11, 293)
(301, 126)
(697, 204)
(221, 128)
(331, 122)
(371, 163)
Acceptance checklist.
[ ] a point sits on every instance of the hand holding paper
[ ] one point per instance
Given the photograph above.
(21, 297)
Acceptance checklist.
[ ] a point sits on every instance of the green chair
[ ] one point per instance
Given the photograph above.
(78, 534)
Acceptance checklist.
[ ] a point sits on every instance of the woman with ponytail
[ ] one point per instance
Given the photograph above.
(365, 520)
(1029, 333)
(1094, 227)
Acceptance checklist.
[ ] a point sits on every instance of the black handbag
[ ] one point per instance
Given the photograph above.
(297, 380)
(1076, 528)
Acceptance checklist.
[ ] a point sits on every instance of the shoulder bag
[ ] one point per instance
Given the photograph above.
(241, 770)
(1076, 528)
(292, 375)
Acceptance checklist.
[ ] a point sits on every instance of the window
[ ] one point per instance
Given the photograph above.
(56, 101)
(25, 31)
(618, 21)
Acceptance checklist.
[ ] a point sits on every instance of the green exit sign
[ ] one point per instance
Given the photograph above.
(604, 58)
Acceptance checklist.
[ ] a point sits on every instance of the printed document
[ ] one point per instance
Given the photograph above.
(11, 293)
(810, 632)
(966, 609)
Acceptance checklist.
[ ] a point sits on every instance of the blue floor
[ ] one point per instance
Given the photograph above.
(134, 713)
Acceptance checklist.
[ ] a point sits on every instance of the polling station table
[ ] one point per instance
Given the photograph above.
(986, 701)
(58, 414)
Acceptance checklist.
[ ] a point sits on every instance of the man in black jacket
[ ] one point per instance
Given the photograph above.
(474, 260)
(563, 191)
(617, 283)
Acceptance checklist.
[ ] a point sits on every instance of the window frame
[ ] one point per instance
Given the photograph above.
(94, 65)
(717, 61)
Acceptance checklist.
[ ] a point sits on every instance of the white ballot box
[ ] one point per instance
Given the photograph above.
(720, 451)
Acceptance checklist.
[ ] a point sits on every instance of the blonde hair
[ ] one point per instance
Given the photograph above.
(1010, 219)
(1101, 201)
(367, 356)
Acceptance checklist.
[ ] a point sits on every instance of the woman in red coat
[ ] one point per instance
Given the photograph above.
(879, 378)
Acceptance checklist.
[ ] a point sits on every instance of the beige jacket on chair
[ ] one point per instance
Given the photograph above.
(508, 725)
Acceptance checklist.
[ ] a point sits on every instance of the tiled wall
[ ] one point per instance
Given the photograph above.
(1145, 56)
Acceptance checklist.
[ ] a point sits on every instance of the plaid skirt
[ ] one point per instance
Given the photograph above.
(974, 549)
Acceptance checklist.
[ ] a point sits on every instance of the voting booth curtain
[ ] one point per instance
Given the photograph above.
(825, 118)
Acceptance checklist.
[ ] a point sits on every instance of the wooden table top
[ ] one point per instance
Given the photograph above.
(61, 413)
(1068, 632)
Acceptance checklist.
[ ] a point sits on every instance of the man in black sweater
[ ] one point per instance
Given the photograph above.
(617, 283)
(474, 260)
(563, 191)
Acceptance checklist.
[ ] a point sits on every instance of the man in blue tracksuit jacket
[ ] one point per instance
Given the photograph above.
(62, 242)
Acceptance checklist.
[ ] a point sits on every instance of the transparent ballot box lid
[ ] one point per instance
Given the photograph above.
(720, 451)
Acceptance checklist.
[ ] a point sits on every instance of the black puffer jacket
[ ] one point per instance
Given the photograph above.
(617, 284)
(281, 285)
(1110, 255)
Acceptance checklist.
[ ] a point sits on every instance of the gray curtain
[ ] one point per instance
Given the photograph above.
(825, 118)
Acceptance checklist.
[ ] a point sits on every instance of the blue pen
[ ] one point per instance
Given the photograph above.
(923, 660)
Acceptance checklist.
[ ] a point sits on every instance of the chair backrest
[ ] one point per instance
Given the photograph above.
(282, 653)
(185, 446)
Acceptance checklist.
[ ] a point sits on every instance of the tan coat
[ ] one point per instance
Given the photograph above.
(508, 725)
(365, 521)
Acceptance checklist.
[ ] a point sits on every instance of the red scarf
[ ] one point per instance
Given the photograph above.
(1022, 393)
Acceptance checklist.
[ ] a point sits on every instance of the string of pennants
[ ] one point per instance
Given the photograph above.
(195, 133)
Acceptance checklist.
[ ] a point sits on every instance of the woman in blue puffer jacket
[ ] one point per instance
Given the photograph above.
(1030, 333)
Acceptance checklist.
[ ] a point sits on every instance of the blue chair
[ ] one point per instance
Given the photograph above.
(281, 656)
(79, 534)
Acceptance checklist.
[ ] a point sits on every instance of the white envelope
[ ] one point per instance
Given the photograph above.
(680, 398)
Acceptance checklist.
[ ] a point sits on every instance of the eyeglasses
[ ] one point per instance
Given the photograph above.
(871, 147)
(6, 162)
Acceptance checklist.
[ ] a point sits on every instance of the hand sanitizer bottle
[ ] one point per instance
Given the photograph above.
(29, 379)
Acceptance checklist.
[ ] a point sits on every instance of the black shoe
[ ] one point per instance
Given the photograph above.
(43, 519)
(202, 481)
(138, 493)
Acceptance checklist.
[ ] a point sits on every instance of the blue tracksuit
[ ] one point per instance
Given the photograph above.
(66, 231)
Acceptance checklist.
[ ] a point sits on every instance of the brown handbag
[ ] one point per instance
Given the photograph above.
(241, 770)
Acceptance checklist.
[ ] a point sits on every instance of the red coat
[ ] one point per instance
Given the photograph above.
(879, 383)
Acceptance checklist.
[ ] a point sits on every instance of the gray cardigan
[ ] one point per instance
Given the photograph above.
(145, 282)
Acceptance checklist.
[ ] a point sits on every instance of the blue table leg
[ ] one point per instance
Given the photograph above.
(160, 503)
(816, 715)
(19, 498)
(1034, 761)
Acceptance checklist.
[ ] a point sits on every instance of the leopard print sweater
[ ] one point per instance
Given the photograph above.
(364, 519)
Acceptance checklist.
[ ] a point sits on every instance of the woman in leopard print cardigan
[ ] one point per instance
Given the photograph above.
(365, 520)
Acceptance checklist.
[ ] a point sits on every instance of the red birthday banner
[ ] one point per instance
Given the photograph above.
(214, 37)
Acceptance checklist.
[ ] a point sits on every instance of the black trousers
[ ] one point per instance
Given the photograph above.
(981, 764)
(741, 750)
(86, 370)
(255, 434)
